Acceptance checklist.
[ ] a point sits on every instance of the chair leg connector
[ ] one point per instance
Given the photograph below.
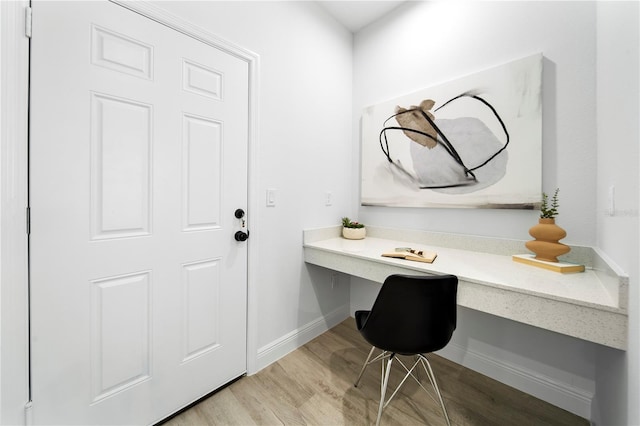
(421, 359)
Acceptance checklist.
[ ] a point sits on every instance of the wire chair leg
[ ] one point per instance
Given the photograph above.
(432, 379)
(409, 374)
(383, 386)
(364, 366)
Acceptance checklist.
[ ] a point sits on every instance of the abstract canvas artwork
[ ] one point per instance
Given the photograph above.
(474, 142)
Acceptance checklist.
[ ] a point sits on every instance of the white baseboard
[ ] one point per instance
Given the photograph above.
(563, 395)
(291, 341)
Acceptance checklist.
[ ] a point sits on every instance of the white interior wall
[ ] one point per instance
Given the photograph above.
(304, 151)
(618, 109)
(421, 44)
(425, 43)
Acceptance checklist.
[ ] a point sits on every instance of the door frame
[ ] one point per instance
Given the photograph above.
(14, 305)
(14, 166)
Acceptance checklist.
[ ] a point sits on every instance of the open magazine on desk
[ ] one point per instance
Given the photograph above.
(408, 253)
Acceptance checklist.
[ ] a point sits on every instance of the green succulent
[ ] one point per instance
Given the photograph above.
(347, 223)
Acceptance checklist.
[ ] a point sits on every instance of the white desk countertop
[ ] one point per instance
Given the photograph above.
(586, 305)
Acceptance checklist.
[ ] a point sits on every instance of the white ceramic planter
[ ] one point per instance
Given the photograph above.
(354, 233)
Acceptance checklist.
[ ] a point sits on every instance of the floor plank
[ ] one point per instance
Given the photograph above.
(314, 386)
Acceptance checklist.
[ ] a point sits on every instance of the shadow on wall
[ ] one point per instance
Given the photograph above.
(549, 118)
(324, 296)
(612, 364)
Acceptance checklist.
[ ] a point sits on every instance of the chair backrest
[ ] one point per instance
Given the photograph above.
(413, 314)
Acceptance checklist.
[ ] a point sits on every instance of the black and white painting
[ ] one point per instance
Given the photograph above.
(474, 142)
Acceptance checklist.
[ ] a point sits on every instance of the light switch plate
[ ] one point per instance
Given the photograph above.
(271, 197)
(611, 210)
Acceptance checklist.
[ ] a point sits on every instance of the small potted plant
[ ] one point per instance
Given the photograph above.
(547, 233)
(353, 230)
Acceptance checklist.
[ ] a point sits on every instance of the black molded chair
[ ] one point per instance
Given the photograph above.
(412, 315)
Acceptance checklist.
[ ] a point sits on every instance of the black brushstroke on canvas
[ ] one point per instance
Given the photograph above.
(447, 145)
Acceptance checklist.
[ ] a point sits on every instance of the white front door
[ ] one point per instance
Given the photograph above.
(138, 162)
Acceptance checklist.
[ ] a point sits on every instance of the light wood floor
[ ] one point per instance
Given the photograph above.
(314, 386)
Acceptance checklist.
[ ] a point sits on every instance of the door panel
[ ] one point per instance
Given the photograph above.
(120, 167)
(121, 355)
(138, 158)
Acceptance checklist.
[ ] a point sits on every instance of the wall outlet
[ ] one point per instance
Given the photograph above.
(328, 198)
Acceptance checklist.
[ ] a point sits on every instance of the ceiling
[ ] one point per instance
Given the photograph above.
(357, 14)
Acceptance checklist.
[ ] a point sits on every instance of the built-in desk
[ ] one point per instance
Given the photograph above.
(590, 305)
